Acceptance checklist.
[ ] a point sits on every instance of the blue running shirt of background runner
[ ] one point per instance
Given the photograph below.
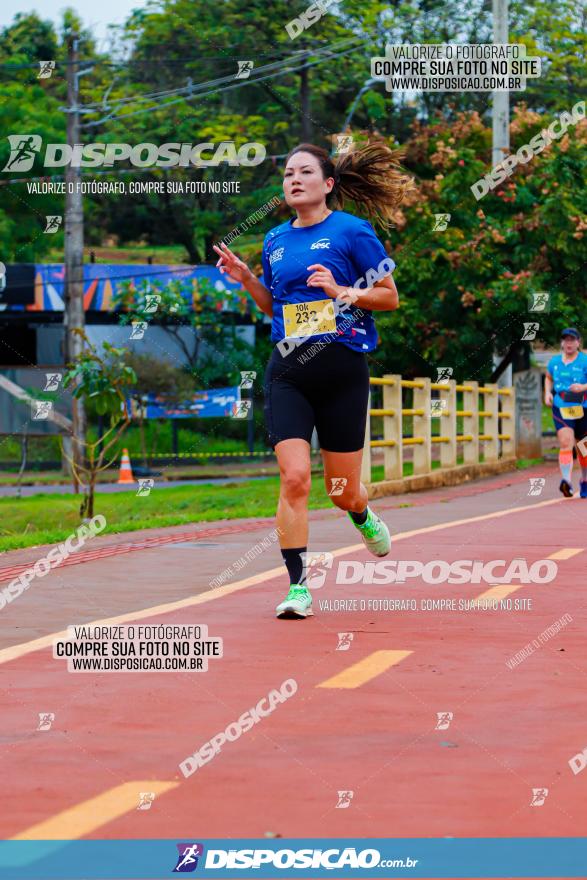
(565, 375)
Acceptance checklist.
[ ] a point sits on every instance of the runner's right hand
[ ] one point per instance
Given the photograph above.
(229, 263)
(548, 398)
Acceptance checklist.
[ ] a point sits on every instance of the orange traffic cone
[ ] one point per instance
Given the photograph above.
(125, 475)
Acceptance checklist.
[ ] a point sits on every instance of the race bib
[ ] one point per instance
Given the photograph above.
(571, 412)
(309, 318)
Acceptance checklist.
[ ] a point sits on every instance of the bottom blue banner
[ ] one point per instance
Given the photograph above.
(554, 857)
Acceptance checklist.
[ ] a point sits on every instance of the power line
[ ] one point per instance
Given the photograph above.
(251, 55)
(187, 92)
(191, 88)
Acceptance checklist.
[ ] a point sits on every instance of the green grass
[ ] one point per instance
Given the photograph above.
(10, 478)
(158, 437)
(190, 470)
(247, 246)
(547, 423)
(38, 449)
(46, 519)
(523, 463)
(162, 254)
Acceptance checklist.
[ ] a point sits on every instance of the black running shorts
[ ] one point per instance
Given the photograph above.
(324, 387)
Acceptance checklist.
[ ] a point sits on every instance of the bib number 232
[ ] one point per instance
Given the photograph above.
(309, 318)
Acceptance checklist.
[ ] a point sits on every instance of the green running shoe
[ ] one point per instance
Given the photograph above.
(376, 537)
(298, 603)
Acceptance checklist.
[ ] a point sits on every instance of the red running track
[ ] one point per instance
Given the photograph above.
(513, 730)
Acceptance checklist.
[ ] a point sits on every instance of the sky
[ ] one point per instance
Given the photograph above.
(95, 15)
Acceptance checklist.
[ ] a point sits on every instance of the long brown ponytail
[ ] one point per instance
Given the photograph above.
(369, 175)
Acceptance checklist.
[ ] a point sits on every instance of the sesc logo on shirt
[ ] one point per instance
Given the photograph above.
(321, 243)
(276, 256)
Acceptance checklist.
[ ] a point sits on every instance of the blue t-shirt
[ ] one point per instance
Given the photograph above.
(564, 375)
(348, 247)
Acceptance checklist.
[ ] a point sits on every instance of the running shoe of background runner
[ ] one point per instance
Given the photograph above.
(297, 603)
(566, 489)
(375, 533)
(583, 488)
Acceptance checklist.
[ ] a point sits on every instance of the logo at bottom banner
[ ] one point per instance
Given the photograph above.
(233, 859)
(187, 860)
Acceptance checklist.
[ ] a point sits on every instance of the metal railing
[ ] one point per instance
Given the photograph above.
(437, 412)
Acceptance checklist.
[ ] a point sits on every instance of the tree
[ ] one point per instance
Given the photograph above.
(27, 109)
(31, 106)
(29, 39)
(166, 49)
(561, 42)
(464, 291)
(102, 380)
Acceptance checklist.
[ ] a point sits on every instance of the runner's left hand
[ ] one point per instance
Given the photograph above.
(576, 386)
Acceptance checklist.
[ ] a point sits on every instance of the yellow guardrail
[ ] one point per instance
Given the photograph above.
(426, 405)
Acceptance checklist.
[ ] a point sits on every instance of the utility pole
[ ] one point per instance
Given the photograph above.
(501, 100)
(306, 126)
(501, 139)
(73, 316)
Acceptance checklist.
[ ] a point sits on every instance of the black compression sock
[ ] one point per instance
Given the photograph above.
(359, 518)
(294, 563)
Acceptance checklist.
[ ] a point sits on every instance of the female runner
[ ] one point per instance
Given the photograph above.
(567, 376)
(324, 273)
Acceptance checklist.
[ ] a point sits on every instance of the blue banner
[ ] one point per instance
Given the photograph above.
(302, 858)
(204, 404)
(101, 282)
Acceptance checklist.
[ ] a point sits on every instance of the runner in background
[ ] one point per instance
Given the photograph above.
(324, 274)
(567, 377)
